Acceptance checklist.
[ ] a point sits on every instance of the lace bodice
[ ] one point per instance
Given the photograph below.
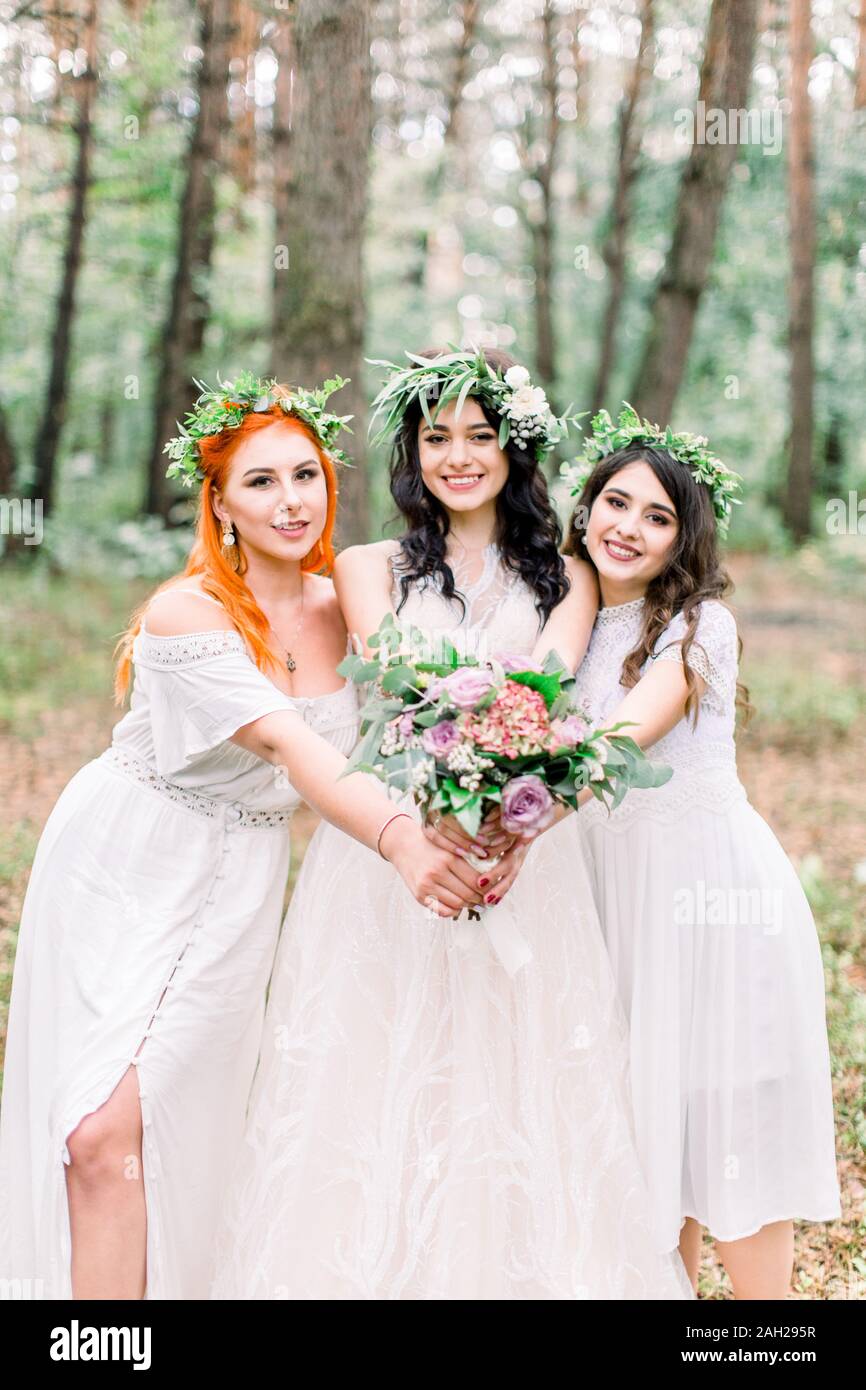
(500, 614)
(703, 758)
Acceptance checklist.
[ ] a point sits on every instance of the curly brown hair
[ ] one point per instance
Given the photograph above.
(694, 571)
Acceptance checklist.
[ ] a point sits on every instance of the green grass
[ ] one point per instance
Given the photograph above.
(59, 636)
(800, 705)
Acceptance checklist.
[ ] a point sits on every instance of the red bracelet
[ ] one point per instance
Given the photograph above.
(389, 821)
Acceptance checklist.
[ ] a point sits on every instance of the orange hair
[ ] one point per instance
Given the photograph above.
(207, 559)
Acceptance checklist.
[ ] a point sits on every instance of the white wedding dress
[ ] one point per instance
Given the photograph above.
(147, 938)
(432, 1118)
(717, 960)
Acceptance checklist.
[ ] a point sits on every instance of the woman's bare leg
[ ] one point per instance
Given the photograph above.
(760, 1266)
(105, 1189)
(690, 1248)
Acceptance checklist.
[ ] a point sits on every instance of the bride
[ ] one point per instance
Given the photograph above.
(441, 1110)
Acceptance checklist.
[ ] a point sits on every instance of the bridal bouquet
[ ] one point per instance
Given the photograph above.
(463, 734)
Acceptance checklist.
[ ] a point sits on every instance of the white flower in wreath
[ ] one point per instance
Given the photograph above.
(516, 377)
(528, 402)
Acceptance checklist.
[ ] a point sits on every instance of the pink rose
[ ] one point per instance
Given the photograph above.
(440, 738)
(466, 687)
(568, 732)
(527, 805)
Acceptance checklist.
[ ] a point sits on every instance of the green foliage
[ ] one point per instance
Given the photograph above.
(455, 376)
(226, 408)
(690, 449)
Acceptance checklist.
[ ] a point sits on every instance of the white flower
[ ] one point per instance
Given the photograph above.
(422, 773)
(516, 377)
(527, 401)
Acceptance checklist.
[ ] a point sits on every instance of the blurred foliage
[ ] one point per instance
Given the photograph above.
(472, 192)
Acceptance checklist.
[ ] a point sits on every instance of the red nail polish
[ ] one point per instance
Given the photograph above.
(491, 899)
(483, 882)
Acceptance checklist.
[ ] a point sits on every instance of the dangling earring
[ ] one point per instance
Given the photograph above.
(230, 549)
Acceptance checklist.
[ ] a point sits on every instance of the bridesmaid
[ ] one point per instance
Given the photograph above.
(151, 917)
(710, 934)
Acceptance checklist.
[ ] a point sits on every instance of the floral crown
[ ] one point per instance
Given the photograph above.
(226, 407)
(690, 449)
(524, 409)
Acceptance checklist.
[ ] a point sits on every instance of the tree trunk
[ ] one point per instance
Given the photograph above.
(189, 305)
(834, 457)
(581, 64)
(319, 299)
(8, 458)
(614, 249)
(543, 231)
(860, 80)
(724, 86)
(48, 437)
(282, 42)
(442, 243)
(245, 38)
(797, 502)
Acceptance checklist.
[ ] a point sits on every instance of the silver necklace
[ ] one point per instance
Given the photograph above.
(291, 664)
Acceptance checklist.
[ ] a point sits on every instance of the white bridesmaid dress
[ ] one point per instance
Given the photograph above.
(441, 1110)
(717, 960)
(147, 938)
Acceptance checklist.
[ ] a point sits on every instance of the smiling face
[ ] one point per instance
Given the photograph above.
(461, 461)
(276, 494)
(631, 532)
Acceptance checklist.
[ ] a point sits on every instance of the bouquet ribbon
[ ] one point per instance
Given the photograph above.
(503, 932)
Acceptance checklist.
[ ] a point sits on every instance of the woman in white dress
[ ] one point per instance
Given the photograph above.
(710, 934)
(152, 913)
(441, 1112)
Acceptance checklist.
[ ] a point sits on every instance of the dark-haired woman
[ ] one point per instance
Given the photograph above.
(709, 931)
(443, 1113)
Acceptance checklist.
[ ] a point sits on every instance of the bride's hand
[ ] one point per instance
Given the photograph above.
(501, 876)
(437, 878)
(447, 833)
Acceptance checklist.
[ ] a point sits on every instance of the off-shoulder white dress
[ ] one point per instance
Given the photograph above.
(441, 1111)
(147, 938)
(717, 960)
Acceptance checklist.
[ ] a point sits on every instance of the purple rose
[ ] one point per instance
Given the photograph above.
(527, 805)
(511, 662)
(466, 687)
(568, 732)
(440, 738)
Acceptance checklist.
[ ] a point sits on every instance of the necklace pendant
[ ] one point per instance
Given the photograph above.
(291, 664)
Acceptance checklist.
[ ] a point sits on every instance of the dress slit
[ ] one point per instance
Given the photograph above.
(149, 1149)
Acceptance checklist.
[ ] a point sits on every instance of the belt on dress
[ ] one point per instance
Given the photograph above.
(236, 814)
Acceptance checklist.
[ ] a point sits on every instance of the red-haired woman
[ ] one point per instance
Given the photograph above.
(152, 913)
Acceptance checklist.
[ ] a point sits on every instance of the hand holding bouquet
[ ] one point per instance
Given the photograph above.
(465, 736)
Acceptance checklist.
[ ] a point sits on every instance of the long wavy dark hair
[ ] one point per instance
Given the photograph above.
(694, 571)
(528, 531)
